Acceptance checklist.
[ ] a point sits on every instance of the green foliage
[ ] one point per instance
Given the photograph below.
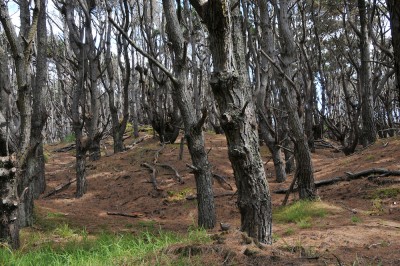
(46, 156)
(60, 248)
(355, 219)
(300, 212)
(147, 129)
(386, 193)
(129, 128)
(289, 231)
(69, 138)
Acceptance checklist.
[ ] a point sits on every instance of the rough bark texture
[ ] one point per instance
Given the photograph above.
(193, 126)
(35, 163)
(231, 89)
(9, 226)
(21, 50)
(394, 10)
(367, 104)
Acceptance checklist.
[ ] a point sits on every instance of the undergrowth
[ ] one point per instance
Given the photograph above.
(64, 246)
(54, 242)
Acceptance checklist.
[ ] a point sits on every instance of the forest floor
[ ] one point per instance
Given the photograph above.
(361, 225)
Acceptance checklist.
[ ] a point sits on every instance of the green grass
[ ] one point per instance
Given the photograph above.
(300, 212)
(355, 219)
(60, 248)
(386, 193)
(69, 138)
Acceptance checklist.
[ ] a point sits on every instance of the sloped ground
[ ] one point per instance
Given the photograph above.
(362, 227)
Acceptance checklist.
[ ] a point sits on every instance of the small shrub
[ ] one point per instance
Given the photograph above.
(355, 219)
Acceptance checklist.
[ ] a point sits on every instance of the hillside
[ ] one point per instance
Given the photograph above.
(360, 222)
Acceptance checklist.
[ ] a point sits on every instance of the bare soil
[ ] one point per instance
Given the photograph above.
(359, 230)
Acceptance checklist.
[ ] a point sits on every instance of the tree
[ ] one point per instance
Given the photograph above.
(193, 126)
(394, 11)
(21, 48)
(231, 89)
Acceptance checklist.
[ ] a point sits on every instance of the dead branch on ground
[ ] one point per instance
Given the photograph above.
(60, 188)
(132, 215)
(153, 175)
(371, 173)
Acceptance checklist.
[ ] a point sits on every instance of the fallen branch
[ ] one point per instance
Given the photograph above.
(158, 153)
(193, 197)
(132, 215)
(153, 175)
(379, 172)
(220, 179)
(66, 148)
(177, 175)
(60, 188)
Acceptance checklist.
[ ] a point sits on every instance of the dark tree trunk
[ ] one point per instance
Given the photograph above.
(9, 226)
(193, 126)
(394, 10)
(35, 164)
(367, 103)
(230, 85)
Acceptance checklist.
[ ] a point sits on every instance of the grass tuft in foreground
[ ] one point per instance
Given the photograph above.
(58, 247)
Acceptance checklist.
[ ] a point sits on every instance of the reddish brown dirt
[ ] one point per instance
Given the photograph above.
(118, 183)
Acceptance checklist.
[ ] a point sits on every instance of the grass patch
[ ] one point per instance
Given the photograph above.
(370, 157)
(355, 219)
(386, 193)
(49, 248)
(174, 196)
(69, 138)
(300, 212)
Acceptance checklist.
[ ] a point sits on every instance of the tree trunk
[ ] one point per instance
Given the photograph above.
(367, 103)
(35, 163)
(304, 169)
(193, 126)
(9, 227)
(231, 88)
(394, 10)
(267, 45)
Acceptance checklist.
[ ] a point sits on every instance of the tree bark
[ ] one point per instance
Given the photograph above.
(367, 103)
(231, 88)
(304, 168)
(394, 11)
(9, 226)
(193, 126)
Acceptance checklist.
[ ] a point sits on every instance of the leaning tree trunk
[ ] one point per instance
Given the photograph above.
(304, 169)
(9, 226)
(231, 88)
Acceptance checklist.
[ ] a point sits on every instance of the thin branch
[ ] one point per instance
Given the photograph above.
(142, 52)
